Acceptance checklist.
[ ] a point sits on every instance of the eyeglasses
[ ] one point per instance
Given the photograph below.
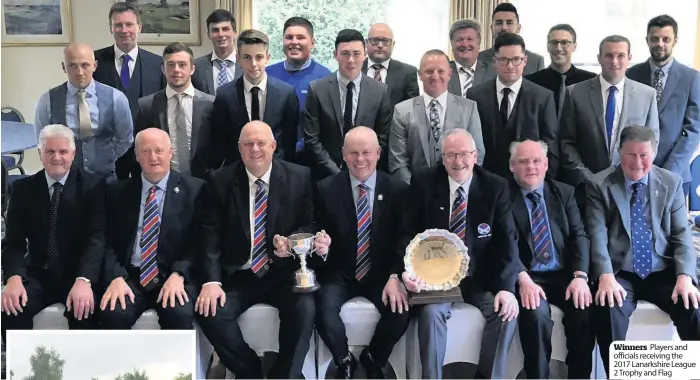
(452, 156)
(376, 40)
(564, 43)
(516, 61)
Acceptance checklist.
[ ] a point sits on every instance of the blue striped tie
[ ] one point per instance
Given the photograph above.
(541, 239)
(149, 239)
(458, 217)
(364, 229)
(259, 253)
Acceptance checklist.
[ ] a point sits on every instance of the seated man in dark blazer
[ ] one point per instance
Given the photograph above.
(472, 203)
(256, 203)
(360, 210)
(54, 244)
(512, 108)
(154, 233)
(554, 261)
(641, 244)
(180, 110)
(254, 96)
(340, 101)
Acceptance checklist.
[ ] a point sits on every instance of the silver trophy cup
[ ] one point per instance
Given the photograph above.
(302, 245)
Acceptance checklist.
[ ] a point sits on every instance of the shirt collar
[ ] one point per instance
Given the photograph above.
(371, 182)
(90, 89)
(289, 66)
(344, 81)
(454, 185)
(442, 99)
(605, 85)
(169, 92)
(384, 64)
(459, 66)
(515, 87)
(134, 53)
(539, 190)
(231, 57)
(50, 181)
(161, 185)
(265, 177)
(665, 68)
(629, 182)
(262, 85)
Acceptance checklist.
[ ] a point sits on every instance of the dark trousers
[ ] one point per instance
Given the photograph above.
(180, 317)
(296, 313)
(536, 333)
(330, 299)
(612, 322)
(42, 294)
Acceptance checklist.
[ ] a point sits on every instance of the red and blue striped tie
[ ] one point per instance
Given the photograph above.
(458, 218)
(364, 228)
(541, 240)
(260, 216)
(149, 239)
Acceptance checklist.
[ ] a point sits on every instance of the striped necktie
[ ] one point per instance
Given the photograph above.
(458, 218)
(377, 72)
(541, 239)
(470, 79)
(149, 239)
(259, 259)
(364, 229)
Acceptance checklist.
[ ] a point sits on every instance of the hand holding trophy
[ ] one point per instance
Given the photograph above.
(302, 245)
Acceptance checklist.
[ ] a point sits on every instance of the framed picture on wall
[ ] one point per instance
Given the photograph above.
(166, 21)
(36, 22)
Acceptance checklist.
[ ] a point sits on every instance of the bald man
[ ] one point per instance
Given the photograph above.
(154, 230)
(257, 202)
(98, 115)
(401, 78)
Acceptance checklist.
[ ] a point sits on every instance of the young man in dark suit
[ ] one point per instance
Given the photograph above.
(256, 203)
(54, 244)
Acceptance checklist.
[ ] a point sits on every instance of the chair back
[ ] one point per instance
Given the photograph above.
(5, 187)
(11, 114)
(694, 196)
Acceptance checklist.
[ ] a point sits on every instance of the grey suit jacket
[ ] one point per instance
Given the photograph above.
(203, 77)
(483, 73)
(153, 113)
(410, 131)
(583, 137)
(608, 221)
(535, 62)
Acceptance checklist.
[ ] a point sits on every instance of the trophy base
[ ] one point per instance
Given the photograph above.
(437, 296)
(308, 289)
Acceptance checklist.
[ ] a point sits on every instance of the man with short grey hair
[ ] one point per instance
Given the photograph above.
(467, 70)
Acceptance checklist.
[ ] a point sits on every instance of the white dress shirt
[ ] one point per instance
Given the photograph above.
(230, 69)
(441, 107)
(50, 181)
(252, 189)
(134, 53)
(453, 191)
(382, 74)
(514, 90)
(619, 96)
(463, 76)
(262, 95)
(187, 104)
(342, 86)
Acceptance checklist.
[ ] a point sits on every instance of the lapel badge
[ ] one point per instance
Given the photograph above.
(442, 208)
(380, 197)
(483, 229)
(176, 189)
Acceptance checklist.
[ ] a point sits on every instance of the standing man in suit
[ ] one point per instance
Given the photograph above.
(554, 261)
(98, 115)
(596, 110)
(418, 123)
(400, 78)
(364, 260)
(561, 44)
(441, 197)
(129, 69)
(145, 271)
(254, 96)
(180, 110)
(641, 244)
(505, 19)
(514, 109)
(59, 214)
(256, 203)
(221, 66)
(677, 100)
(340, 101)
(467, 69)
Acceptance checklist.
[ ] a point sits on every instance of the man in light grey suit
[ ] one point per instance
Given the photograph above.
(180, 110)
(641, 245)
(221, 30)
(414, 141)
(595, 112)
(505, 19)
(467, 70)
(337, 103)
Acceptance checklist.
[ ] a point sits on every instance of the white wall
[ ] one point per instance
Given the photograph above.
(27, 72)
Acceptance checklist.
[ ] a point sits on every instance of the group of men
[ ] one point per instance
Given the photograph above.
(564, 194)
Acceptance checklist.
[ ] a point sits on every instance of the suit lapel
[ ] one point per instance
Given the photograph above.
(132, 208)
(335, 99)
(347, 204)
(241, 197)
(454, 85)
(241, 106)
(627, 102)
(42, 193)
(171, 207)
(440, 206)
(513, 117)
(556, 220)
(423, 126)
(160, 107)
(197, 115)
(673, 77)
(381, 188)
(596, 99)
(520, 214)
(274, 198)
(657, 195)
(618, 191)
(392, 79)
(365, 95)
(474, 217)
(272, 94)
(208, 72)
(134, 89)
(111, 68)
(481, 72)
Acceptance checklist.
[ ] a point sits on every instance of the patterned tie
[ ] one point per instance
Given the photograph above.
(364, 228)
(610, 114)
(260, 258)
(149, 239)
(255, 103)
(347, 115)
(377, 72)
(659, 83)
(470, 79)
(124, 74)
(54, 263)
(641, 233)
(505, 104)
(434, 120)
(541, 239)
(85, 124)
(183, 140)
(222, 78)
(458, 218)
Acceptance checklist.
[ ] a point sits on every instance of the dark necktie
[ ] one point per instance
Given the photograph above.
(659, 83)
(562, 95)
(377, 72)
(124, 74)
(54, 263)
(255, 103)
(503, 110)
(610, 114)
(364, 229)
(347, 115)
(149, 239)
(458, 217)
(641, 234)
(259, 260)
(541, 238)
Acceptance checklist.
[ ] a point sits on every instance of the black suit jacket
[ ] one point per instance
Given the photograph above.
(533, 117)
(180, 235)
(153, 113)
(551, 80)
(337, 215)
(566, 227)
(494, 254)
(81, 227)
(290, 210)
(230, 115)
(402, 80)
